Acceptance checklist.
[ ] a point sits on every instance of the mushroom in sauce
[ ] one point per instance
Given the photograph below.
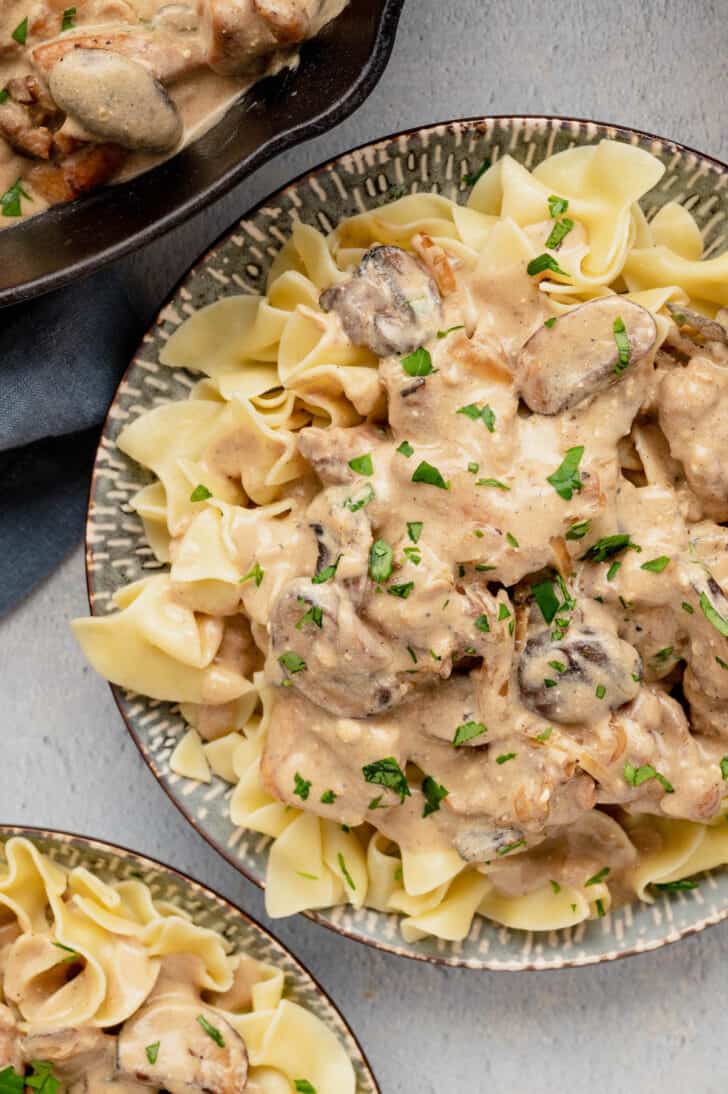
(390, 303)
(580, 354)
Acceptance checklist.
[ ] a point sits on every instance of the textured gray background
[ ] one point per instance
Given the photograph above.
(653, 1023)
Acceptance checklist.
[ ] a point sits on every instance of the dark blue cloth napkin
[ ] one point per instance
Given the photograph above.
(61, 357)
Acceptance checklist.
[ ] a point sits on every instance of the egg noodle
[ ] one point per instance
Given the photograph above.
(80, 957)
(558, 796)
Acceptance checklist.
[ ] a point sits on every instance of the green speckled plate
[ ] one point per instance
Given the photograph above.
(208, 909)
(435, 158)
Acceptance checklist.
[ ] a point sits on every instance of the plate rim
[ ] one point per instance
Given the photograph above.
(32, 831)
(484, 964)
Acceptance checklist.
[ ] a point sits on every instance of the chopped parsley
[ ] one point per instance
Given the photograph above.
(664, 654)
(402, 591)
(557, 206)
(608, 546)
(418, 363)
(328, 797)
(723, 664)
(713, 617)
(71, 954)
(41, 1078)
(476, 413)
(546, 599)
(362, 464)
(342, 866)
(724, 767)
(412, 654)
(555, 886)
(380, 561)
(656, 565)
(254, 574)
(468, 731)
(600, 908)
(152, 1052)
(303, 1086)
(635, 776)
(682, 886)
(200, 493)
(559, 232)
(314, 614)
(492, 482)
(20, 34)
(4, 95)
(472, 178)
(482, 624)
(413, 554)
(366, 496)
(211, 1031)
(544, 736)
(614, 569)
(508, 847)
(434, 794)
(505, 757)
(414, 530)
(473, 468)
(545, 262)
(302, 787)
(557, 666)
(503, 613)
(67, 23)
(444, 333)
(578, 530)
(550, 322)
(687, 607)
(566, 478)
(512, 539)
(600, 691)
(622, 339)
(425, 472)
(549, 683)
(376, 803)
(291, 661)
(307, 876)
(405, 449)
(388, 773)
(327, 574)
(598, 877)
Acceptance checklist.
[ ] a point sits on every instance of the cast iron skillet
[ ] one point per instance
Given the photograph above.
(337, 72)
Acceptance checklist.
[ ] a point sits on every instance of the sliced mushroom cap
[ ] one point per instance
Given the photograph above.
(483, 844)
(117, 99)
(580, 677)
(578, 356)
(711, 330)
(197, 1049)
(390, 303)
(72, 1052)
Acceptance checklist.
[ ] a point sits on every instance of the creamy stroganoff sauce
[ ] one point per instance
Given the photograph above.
(101, 90)
(475, 627)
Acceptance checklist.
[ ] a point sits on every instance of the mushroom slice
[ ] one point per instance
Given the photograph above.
(166, 56)
(196, 1049)
(711, 330)
(117, 99)
(390, 303)
(578, 678)
(579, 356)
(482, 844)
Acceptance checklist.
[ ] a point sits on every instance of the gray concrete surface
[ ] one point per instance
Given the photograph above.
(649, 1024)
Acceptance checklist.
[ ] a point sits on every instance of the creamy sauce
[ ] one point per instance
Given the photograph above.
(478, 664)
(126, 84)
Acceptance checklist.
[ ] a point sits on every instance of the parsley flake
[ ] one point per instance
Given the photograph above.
(472, 178)
(545, 262)
(388, 773)
(402, 591)
(444, 333)
(656, 565)
(546, 598)
(20, 34)
(505, 757)
(302, 787)
(254, 574)
(67, 23)
(557, 206)
(578, 530)
(684, 885)
(600, 691)
(555, 886)
(434, 794)
(426, 473)
(622, 339)
(291, 661)
(362, 464)
(211, 1031)
(342, 866)
(566, 478)
(152, 1052)
(550, 322)
(482, 624)
(418, 363)
(598, 877)
(303, 1086)
(713, 617)
(328, 797)
(380, 561)
(468, 731)
(558, 233)
(405, 449)
(414, 530)
(508, 847)
(492, 482)
(327, 574)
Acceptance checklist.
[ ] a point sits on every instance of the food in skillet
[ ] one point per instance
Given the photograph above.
(104, 987)
(101, 90)
(447, 572)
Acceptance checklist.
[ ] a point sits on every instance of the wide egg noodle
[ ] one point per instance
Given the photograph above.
(277, 362)
(118, 935)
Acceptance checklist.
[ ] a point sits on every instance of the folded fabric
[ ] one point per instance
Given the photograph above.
(61, 358)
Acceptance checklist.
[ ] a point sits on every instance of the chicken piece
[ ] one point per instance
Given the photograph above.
(241, 35)
(198, 1050)
(16, 126)
(116, 99)
(693, 411)
(166, 56)
(83, 1059)
(579, 355)
(390, 303)
(85, 170)
(330, 450)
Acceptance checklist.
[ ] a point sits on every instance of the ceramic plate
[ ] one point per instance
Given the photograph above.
(208, 909)
(436, 159)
